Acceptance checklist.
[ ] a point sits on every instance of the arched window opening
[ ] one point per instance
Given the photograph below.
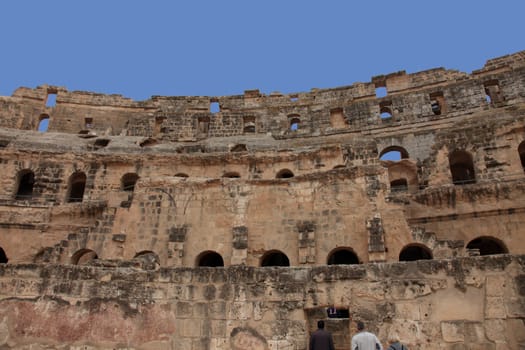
(385, 112)
(521, 151)
(462, 168)
(210, 259)
(26, 181)
(128, 181)
(393, 153)
(83, 257)
(294, 123)
(274, 258)
(231, 175)
(181, 175)
(415, 252)
(486, 246)
(3, 256)
(215, 107)
(437, 103)
(77, 184)
(284, 174)
(343, 257)
(399, 185)
(43, 123)
(492, 92)
(239, 148)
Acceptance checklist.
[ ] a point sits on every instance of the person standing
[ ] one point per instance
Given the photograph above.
(365, 340)
(321, 339)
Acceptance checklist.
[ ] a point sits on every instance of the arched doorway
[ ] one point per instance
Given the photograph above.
(487, 246)
(210, 259)
(3, 256)
(461, 168)
(77, 184)
(343, 256)
(413, 252)
(274, 258)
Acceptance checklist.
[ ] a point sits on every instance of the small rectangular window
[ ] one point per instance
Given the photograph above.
(88, 123)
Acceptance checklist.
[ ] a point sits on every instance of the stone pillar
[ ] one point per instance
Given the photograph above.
(240, 245)
(177, 238)
(376, 239)
(306, 231)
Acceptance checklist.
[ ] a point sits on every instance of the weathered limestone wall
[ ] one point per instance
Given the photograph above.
(142, 195)
(469, 303)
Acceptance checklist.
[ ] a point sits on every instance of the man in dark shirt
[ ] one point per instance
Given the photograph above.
(321, 339)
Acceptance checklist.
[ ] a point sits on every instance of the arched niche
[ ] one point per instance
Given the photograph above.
(3, 256)
(25, 184)
(128, 182)
(393, 153)
(342, 256)
(274, 258)
(413, 252)
(486, 245)
(521, 152)
(83, 257)
(284, 174)
(461, 167)
(77, 185)
(209, 259)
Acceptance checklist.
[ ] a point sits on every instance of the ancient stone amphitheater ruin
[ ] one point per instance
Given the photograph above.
(237, 222)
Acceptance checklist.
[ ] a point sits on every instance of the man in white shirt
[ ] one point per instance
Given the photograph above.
(364, 340)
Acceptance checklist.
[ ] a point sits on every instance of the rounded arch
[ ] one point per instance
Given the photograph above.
(461, 167)
(25, 184)
(209, 259)
(3, 256)
(181, 175)
(385, 112)
(294, 121)
(393, 153)
(487, 246)
(274, 258)
(43, 122)
(284, 174)
(521, 152)
(414, 251)
(83, 256)
(342, 256)
(128, 182)
(77, 185)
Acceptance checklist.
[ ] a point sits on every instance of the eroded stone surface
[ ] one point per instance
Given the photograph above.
(147, 198)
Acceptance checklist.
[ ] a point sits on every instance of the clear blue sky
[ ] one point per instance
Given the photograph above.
(221, 47)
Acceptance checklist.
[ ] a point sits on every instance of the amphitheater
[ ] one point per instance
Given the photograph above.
(237, 222)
